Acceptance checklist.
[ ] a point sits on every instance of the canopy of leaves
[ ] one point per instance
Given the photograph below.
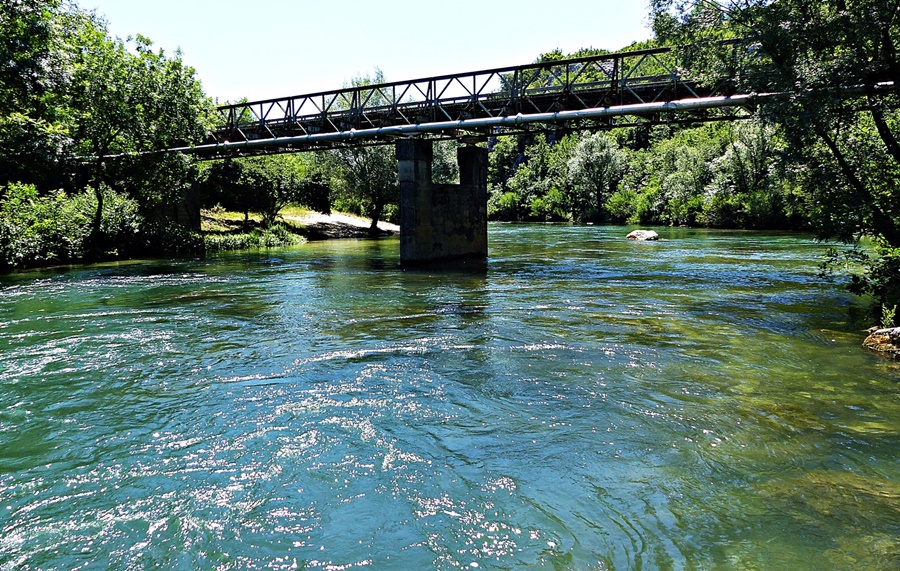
(834, 66)
(265, 185)
(71, 96)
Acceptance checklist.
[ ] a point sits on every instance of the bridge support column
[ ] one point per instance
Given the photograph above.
(441, 221)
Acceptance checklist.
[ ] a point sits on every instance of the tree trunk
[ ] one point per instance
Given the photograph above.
(98, 220)
(376, 211)
(884, 131)
(882, 224)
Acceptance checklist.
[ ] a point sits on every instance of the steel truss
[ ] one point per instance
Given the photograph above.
(620, 89)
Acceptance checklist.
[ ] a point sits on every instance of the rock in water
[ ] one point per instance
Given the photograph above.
(884, 340)
(642, 235)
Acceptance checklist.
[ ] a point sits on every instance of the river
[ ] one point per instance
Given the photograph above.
(584, 403)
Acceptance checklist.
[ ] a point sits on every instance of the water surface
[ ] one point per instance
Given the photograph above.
(584, 403)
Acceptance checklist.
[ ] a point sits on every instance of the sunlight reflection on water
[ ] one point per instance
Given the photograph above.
(585, 403)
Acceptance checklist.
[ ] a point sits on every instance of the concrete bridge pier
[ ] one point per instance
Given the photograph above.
(440, 222)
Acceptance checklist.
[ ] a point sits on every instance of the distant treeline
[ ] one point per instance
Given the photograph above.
(723, 175)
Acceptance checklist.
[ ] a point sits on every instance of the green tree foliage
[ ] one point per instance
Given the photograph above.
(72, 91)
(131, 101)
(33, 135)
(265, 185)
(505, 156)
(35, 151)
(729, 175)
(840, 124)
(595, 169)
(445, 166)
(365, 182)
(680, 166)
(533, 186)
(68, 90)
(365, 178)
(750, 188)
(30, 75)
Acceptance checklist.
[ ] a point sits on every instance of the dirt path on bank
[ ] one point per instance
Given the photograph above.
(335, 225)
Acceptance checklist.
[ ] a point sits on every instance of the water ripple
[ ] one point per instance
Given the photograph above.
(587, 403)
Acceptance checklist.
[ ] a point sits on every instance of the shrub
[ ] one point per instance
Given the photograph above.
(121, 221)
(55, 228)
(621, 206)
(503, 206)
(38, 229)
(168, 239)
(274, 236)
(549, 208)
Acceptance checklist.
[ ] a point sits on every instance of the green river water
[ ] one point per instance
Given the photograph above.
(584, 403)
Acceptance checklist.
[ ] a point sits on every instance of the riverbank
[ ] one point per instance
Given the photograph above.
(224, 230)
(336, 225)
(309, 224)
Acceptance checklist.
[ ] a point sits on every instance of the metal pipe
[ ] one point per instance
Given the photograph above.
(480, 123)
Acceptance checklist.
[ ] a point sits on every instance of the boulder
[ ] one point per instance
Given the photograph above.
(884, 340)
(642, 235)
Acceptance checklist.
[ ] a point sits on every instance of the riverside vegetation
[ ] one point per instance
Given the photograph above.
(815, 162)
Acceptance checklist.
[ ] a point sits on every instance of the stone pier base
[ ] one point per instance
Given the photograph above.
(441, 221)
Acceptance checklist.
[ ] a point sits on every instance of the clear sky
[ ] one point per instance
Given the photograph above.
(272, 48)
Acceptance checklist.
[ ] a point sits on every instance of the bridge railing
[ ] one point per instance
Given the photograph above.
(642, 76)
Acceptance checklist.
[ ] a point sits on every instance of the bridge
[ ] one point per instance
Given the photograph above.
(441, 222)
(593, 92)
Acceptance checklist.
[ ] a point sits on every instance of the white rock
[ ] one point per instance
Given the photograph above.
(643, 235)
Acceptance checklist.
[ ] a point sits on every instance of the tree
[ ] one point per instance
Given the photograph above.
(34, 137)
(125, 104)
(71, 96)
(265, 185)
(749, 188)
(506, 154)
(527, 177)
(829, 58)
(365, 178)
(595, 169)
(35, 151)
(445, 166)
(29, 39)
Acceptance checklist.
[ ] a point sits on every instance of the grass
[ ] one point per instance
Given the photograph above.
(277, 235)
(223, 230)
(294, 212)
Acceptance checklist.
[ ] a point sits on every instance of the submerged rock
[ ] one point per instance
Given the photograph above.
(642, 235)
(884, 340)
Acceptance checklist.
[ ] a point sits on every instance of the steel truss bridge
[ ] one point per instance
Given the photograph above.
(596, 92)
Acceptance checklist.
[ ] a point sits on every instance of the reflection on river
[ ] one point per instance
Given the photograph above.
(584, 403)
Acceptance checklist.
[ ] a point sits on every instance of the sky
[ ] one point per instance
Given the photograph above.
(262, 49)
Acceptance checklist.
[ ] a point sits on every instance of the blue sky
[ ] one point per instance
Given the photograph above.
(273, 48)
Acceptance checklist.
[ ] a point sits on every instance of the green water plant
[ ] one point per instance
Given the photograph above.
(887, 316)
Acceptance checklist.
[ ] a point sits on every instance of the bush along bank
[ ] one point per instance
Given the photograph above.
(276, 235)
(40, 229)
